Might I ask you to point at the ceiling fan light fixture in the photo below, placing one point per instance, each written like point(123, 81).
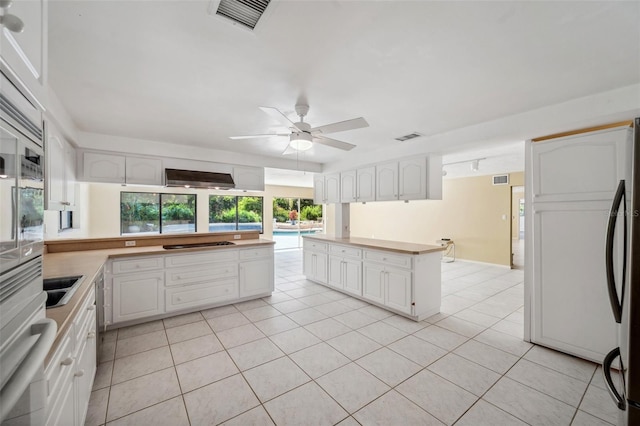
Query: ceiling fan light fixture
point(300, 141)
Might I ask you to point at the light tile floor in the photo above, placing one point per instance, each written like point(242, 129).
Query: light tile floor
point(311, 355)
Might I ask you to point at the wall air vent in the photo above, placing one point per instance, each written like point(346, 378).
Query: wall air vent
point(409, 136)
point(500, 180)
point(243, 12)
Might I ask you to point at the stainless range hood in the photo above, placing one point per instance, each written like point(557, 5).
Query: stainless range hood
point(195, 179)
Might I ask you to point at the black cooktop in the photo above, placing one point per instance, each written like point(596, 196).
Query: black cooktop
point(213, 244)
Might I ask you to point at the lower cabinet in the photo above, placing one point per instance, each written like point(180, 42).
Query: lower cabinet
point(256, 277)
point(345, 274)
point(138, 296)
point(148, 286)
point(72, 368)
point(315, 266)
point(408, 284)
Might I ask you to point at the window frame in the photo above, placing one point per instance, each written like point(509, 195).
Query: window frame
point(160, 220)
point(237, 221)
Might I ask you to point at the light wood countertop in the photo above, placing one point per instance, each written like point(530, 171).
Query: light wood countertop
point(90, 262)
point(393, 246)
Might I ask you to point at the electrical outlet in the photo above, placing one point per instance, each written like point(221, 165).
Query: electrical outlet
point(129, 243)
point(236, 237)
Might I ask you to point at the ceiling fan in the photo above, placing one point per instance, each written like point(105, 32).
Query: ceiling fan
point(303, 136)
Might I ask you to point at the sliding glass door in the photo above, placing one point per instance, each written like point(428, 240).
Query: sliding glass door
point(294, 217)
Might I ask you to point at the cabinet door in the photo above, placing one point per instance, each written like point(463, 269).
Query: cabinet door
point(256, 277)
point(318, 190)
point(387, 181)
point(353, 277)
point(336, 272)
point(373, 283)
point(64, 411)
point(308, 264)
point(84, 374)
point(70, 176)
point(25, 52)
point(332, 188)
point(412, 179)
point(137, 296)
point(321, 267)
point(398, 290)
point(348, 186)
point(366, 184)
point(55, 170)
point(570, 302)
point(582, 167)
point(143, 171)
point(249, 178)
point(103, 168)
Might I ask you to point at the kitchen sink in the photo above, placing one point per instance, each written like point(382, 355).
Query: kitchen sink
point(61, 289)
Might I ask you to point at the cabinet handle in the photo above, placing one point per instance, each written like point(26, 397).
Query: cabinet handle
point(79, 373)
point(91, 308)
point(91, 335)
point(178, 277)
point(67, 361)
point(179, 299)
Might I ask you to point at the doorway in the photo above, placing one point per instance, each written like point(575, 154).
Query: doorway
point(517, 227)
point(293, 218)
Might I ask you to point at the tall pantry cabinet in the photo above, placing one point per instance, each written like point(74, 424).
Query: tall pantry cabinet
point(571, 182)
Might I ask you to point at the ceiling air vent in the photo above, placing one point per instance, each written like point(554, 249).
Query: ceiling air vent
point(501, 180)
point(409, 136)
point(243, 12)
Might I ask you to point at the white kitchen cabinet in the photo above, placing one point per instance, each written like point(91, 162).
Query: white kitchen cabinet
point(388, 286)
point(348, 187)
point(345, 268)
point(60, 161)
point(99, 167)
point(569, 196)
point(256, 277)
point(25, 53)
point(412, 179)
point(326, 189)
point(138, 296)
point(248, 178)
point(72, 368)
point(143, 171)
point(318, 189)
point(315, 261)
point(366, 184)
point(196, 295)
point(387, 181)
point(408, 284)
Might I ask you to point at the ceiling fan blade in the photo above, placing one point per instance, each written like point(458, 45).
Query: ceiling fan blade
point(278, 115)
point(356, 123)
point(333, 143)
point(267, 135)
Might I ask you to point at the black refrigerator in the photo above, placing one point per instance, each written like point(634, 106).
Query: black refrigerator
point(624, 294)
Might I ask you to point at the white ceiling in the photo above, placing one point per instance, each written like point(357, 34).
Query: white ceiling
point(167, 71)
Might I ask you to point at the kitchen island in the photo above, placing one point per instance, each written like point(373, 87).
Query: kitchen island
point(404, 278)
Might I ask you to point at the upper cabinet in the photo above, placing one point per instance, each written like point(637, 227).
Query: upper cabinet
point(366, 184)
point(412, 179)
point(99, 167)
point(24, 54)
point(249, 178)
point(387, 181)
point(60, 171)
point(348, 187)
point(143, 171)
point(408, 179)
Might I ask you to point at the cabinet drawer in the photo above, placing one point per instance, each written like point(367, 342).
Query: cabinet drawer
point(338, 250)
point(315, 245)
point(255, 253)
point(137, 264)
point(85, 318)
point(201, 294)
point(202, 274)
point(387, 258)
point(60, 367)
point(224, 255)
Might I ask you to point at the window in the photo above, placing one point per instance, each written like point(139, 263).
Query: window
point(231, 213)
point(153, 213)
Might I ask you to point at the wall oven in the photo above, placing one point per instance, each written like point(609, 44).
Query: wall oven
point(26, 335)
